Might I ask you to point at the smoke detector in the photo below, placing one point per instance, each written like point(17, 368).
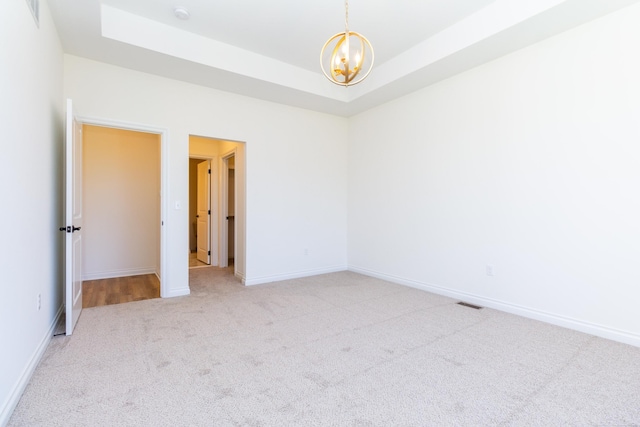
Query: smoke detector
point(181, 13)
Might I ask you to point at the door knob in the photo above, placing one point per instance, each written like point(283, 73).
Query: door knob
point(70, 229)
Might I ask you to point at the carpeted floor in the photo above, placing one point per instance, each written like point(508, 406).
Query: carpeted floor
point(333, 350)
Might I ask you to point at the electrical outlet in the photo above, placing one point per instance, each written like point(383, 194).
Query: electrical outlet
point(39, 301)
point(489, 270)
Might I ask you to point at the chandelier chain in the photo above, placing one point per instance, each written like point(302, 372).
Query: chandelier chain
point(346, 16)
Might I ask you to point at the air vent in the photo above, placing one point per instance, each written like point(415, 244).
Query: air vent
point(34, 7)
point(466, 304)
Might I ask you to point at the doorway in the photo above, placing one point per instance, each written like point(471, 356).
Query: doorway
point(226, 203)
point(122, 189)
point(200, 213)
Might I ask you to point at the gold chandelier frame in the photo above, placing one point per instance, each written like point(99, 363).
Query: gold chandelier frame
point(340, 69)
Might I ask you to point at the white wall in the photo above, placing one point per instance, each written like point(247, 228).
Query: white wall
point(121, 202)
point(530, 164)
point(284, 215)
point(31, 120)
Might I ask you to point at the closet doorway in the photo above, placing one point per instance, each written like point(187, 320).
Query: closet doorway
point(122, 215)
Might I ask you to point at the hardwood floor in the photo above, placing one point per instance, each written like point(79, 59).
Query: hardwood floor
point(194, 262)
point(119, 290)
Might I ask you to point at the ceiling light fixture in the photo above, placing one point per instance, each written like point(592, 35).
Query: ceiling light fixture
point(181, 13)
point(348, 56)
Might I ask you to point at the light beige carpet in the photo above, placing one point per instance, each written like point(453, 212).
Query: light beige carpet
point(333, 350)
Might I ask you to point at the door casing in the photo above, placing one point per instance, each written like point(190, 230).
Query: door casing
point(224, 209)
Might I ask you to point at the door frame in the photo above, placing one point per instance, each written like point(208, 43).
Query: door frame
point(164, 180)
point(213, 203)
point(224, 210)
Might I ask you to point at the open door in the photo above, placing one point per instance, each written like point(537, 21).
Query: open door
point(204, 212)
point(73, 220)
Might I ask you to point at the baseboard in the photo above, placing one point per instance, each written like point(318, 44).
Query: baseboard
point(180, 292)
point(18, 389)
point(241, 276)
point(293, 275)
point(554, 319)
point(119, 273)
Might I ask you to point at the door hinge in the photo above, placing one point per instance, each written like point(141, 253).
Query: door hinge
point(209, 253)
point(209, 171)
point(209, 211)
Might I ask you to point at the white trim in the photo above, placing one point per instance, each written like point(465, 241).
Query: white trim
point(23, 381)
point(293, 275)
point(554, 319)
point(177, 292)
point(223, 250)
point(165, 288)
point(119, 273)
point(240, 276)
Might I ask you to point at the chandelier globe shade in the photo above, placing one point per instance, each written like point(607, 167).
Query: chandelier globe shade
point(346, 58)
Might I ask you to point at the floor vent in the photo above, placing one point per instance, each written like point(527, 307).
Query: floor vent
point(466, 304)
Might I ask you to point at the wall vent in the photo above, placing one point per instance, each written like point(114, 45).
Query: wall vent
point(466, 304)
point(34, 7)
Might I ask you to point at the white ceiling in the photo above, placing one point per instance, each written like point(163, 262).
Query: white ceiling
point(270, 49)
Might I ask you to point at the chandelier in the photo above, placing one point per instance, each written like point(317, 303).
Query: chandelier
point(346, 58)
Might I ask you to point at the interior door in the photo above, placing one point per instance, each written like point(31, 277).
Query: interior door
point(73, 220)
point(204, 212)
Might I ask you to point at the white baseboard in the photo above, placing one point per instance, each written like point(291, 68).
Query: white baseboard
point(180, 292)
point(19, 387)
point(119, 273)
point(554, 319)
point(293, 275)
point(241, 276)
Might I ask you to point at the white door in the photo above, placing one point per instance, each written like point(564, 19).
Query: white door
point(73, 220)
point(204, 212)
